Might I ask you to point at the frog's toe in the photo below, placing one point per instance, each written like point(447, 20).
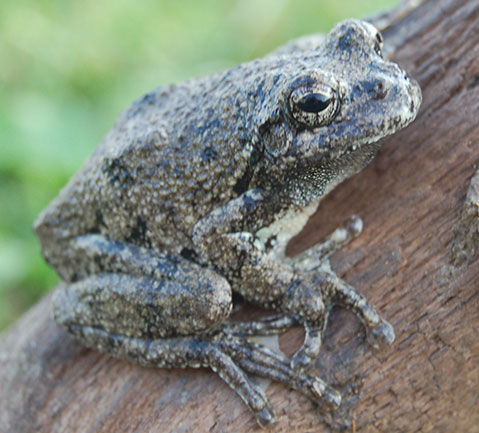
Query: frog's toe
point(301, 361)
point(264, 362)
point(265, 417)
point(309, 351)
point(330, 398)
point(382, 335)
point(269, 325)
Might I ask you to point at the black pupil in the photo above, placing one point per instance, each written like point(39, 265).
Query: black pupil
point(314, 102)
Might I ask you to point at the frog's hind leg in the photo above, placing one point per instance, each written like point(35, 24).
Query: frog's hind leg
point(269, 325)
point(159, 323)
point(142, 306)
point(230, 356)
point(181, 352)
point(120, 315)
point(264, 362)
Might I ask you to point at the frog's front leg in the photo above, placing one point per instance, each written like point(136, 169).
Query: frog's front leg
point(262, 279)
point(337, 291)
point(315, 256)
point(164, 311)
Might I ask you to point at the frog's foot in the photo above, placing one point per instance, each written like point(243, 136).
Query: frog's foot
point(276, 324)
point(313, 257)
point(335, 291)
point(230, 356)
point(234, 376)
point(314, 298)
point(264, 362)
point(180, 352)
point(382, 335)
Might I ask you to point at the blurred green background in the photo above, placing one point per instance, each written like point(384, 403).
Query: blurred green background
point(67, 70)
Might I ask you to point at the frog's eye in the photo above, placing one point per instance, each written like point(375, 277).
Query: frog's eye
point(378, 44)
point(314, 105)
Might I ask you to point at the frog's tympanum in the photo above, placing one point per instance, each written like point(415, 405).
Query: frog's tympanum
point(194, 194)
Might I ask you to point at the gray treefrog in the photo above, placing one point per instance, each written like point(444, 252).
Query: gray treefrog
point(194, 194)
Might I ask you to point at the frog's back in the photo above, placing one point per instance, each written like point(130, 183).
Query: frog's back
point(172, 157)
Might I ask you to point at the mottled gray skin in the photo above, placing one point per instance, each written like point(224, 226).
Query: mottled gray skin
point(194, 194)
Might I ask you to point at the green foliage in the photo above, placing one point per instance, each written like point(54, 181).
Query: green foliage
point(67, 69)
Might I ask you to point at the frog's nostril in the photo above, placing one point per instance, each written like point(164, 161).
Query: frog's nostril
point(380, 90)
point(376, 89)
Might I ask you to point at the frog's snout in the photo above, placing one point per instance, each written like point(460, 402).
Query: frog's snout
point(415, 94)
point(399, 91)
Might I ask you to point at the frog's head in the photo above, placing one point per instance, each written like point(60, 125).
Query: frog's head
point(331, 115)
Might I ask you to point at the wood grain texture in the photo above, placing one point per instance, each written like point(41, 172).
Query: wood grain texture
point(411, 261)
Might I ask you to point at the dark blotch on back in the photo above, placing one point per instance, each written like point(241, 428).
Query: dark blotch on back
point(117, 172)
point(209, 154)
point(138, 233)
point(242, 184)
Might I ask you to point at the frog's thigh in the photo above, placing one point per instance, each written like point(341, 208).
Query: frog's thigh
point(142, 306)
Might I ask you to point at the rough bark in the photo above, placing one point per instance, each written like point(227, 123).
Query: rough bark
point(416, 261)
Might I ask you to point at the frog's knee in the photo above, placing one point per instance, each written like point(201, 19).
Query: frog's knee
point(68, 308)
point(211, 301)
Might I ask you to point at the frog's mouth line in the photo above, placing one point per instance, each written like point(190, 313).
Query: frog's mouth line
point(357, 148)
point(371, 143)
point(364, 152)
point(362, 143)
